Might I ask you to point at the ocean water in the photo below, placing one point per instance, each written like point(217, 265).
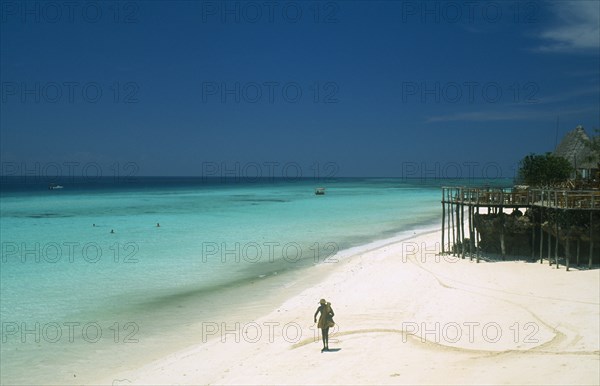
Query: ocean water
point(79, 303)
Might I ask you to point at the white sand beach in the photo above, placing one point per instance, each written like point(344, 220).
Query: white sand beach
point(407, 316)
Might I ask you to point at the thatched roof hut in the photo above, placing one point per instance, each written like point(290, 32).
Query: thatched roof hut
point(575, 148)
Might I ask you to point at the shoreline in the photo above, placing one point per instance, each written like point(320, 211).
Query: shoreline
point(287, 283)
point(404, 315)
point(180, 317)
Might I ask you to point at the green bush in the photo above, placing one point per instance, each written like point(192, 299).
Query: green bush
point(544, 170)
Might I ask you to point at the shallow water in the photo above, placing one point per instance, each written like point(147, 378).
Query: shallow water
point(78, 301)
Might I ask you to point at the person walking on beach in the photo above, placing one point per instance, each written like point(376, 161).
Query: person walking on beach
point(325, 321)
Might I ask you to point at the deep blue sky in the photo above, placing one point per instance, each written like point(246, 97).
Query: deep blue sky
point(379, 85)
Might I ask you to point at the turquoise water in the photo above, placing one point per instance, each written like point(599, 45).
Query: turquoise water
point(73, 294)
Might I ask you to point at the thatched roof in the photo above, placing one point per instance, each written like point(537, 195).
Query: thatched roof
point(573, 148)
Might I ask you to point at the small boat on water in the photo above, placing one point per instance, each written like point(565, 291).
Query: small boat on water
point(55, 186)
point(320, 191)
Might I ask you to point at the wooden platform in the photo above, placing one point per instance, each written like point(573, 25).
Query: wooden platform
point(457, 200)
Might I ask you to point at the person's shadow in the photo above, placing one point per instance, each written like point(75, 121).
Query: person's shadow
point(333, 350)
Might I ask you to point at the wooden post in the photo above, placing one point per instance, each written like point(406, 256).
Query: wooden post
point(502, 243)
point(462, 229)
point(456, 231)
point(477, 241)
point(591, 238)
point(501, 211)
point(532, 235)
point(567, 246)
point(541, 236)
point(471, 228)
point(556, 242)
point(457, 210)
point(453, 231)
point(443, 216)
point(448, 220)
point(458, 228)
point(476, 208)
point(549, 245)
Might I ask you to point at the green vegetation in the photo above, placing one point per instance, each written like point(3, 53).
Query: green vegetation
point(544, 170)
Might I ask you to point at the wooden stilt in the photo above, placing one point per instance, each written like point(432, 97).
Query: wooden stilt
point(578, 249)
point(443, 216)
point(541, 238)
point(532, 236)
point(567, 244)
point(549, 245)
point(502, 243)
point(462, 230)
point(478, 245)
point(501, 211)
point(471, 240)
point(556, 242)
point(457, 215)
point(448, 220)
point(453, 231)
point(591, 240)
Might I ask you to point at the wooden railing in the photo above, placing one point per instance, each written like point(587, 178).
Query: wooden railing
point(511, 197)
point(566, 199)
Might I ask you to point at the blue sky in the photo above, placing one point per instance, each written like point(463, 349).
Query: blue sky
point(348, 88)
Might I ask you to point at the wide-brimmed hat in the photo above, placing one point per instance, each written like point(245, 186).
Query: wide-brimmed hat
point(322, 301)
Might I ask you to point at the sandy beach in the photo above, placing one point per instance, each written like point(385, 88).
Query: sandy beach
point(406, 315)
